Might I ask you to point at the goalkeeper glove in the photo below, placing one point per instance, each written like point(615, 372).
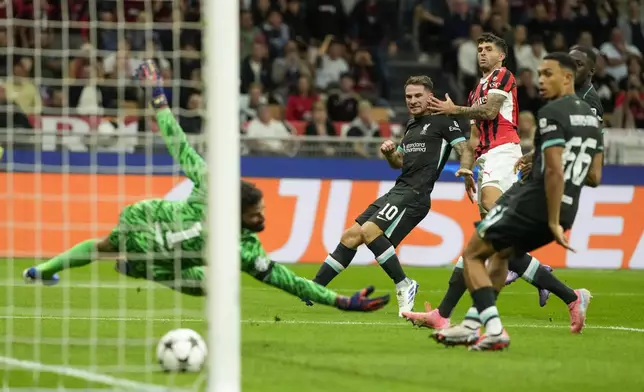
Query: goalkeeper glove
point(361, 302)
point(149, 72)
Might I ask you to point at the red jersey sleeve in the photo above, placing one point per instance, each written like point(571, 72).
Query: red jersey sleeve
point(502, 82)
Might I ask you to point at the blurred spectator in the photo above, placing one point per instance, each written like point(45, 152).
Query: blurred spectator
point(295, 19)
point(534, 58)
point(342, 104)
point(499, 27)
point(85, 74)
point(286, 71)
point(256, 68)
point(250, 103)
point(631, 25)
point(108, 37)
point(629, 106)
point(558, 43)
point(267, 133)
point(364, 126)
point(190, 59)
point(277, 34)
point(457, 31)
point(142, 37)
point(605, 85)
point(617, 52)
point(320, 125)
point(586, 39)
point(604, 19)
point(540, 23)
point(331, 63)
point(11, 117)
point(519, 51)
point(27, 10)
point(568, 24)
point(300, 103)
point(324, 18)
point(21, 90)
point(260, 10)
point(374, 28)
point(367, 77)
point(122, 62)
point(248, 34)
point(57, 99)
point(527, 92)
point(4, 58)
point(527, 127)
point(467, 61)
point(51, 66)
point(634, 66)
point(191, 120)
point(431, 15)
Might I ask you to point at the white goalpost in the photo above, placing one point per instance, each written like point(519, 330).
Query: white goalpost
point(222, 75)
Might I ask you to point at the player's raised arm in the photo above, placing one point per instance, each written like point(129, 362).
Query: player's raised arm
point(594, 176)
point(175, 139)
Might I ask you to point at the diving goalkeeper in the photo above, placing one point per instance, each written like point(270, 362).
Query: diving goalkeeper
point(164, 240)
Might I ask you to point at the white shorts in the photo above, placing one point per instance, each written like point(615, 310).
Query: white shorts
point(496, 168)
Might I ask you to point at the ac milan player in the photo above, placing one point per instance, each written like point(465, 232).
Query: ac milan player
point(493, 114)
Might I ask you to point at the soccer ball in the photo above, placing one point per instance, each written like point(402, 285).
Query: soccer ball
point(181, 350)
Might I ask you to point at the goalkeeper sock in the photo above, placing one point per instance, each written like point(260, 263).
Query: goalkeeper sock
point(334, 263)
point(79, 255)
point(455, 290)
point(386, 257)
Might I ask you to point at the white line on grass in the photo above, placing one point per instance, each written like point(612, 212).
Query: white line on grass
point(146, 285)
point(305, 322)
point(83, 375)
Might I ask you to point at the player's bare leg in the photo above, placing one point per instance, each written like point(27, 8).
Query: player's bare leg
point(79, 255)
point(341, 257)
point(385, 254)
point(483, 294)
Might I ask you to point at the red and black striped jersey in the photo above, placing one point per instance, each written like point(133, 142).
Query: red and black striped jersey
point(503, 128)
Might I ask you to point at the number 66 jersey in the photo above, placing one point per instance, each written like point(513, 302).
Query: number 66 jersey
point(570, 123)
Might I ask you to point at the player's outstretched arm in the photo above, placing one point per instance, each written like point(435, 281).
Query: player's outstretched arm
point(175, 139)
point(256, 263)
point(487, 111)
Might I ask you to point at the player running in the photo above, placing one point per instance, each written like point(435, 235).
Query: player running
point(422, 154)
point(585, 59)
point(568, 155)
point(164, 240)
point(493, 112)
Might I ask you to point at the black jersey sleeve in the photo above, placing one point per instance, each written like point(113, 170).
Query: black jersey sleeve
point(451, 131)
point(550, 129)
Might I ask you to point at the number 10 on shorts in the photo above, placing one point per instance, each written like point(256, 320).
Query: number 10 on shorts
point(388, 212)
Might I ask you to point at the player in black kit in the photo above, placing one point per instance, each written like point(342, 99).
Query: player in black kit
point(568, 155)
point(422, 154)
point(584, 58)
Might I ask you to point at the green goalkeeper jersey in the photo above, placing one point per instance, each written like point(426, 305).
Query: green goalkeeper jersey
point(179, 224)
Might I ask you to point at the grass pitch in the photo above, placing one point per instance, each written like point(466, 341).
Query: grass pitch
point(98, 330)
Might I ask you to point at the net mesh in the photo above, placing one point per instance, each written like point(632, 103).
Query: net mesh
point(79, 146)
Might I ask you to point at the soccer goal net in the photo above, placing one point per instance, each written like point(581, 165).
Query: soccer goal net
point(79, 144)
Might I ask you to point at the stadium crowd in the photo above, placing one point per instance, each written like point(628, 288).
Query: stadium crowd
point(306, 66)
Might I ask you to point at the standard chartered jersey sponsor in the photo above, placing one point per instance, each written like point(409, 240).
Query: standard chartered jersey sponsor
point(415, 147)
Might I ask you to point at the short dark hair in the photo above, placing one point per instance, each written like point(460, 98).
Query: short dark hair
point(250, 195)
point(589, 52)
point(420, 80)
point(564, 60)
point(493, 39)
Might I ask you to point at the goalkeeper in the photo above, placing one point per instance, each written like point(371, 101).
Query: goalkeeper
point(164, 240)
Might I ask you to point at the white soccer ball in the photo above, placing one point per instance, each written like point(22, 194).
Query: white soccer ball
point(181, 350)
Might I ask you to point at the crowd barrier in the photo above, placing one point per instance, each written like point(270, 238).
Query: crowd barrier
point(309, 202)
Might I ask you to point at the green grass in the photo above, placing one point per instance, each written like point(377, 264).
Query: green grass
point(112, 327)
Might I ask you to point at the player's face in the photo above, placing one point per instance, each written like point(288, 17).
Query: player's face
point(489, 56)
point(551, 79)
point(253, 217)
point(583, 72)
point(417, 99)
